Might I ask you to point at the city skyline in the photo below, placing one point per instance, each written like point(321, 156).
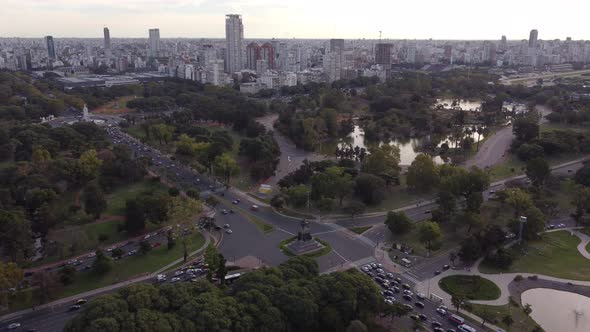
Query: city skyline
point(302, 20)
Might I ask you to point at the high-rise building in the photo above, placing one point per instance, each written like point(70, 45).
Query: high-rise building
point(267, 52)
point(154, 43)
point(533, 38)
point(283, 57)
point(503, 44)
point(383, 54)
point(336, 44)
point(50, 47)
point(252, 55)
point(234, 34)
point(107, 41)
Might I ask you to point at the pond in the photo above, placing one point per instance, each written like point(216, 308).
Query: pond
point(475, 105)
point(409, 148)
point(557, 311)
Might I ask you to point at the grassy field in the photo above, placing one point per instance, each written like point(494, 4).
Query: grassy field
point(512, 166)
point(449, 240)
point(555, 254)
point(118, 106)
point(521, 322)
point(360, 230)
point(471, 287)
point(116, 200)
point(131, 266)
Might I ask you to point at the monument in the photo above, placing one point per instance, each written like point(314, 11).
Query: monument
point(304, 243)
point(85, 116)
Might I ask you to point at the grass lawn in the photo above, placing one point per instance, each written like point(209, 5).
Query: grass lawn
point(116, 200)
point(398, 196)
point(521, 322)
point(512, 166)
point(555, 254)
point(472, 287)
point(360, 230)
point(450, 238)
point(131, 266)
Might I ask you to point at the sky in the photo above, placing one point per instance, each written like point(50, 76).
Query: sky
point(349, 19)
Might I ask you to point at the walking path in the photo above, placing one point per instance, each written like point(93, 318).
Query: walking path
point(502, 280)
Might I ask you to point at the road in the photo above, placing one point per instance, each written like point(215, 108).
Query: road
point(291, 156)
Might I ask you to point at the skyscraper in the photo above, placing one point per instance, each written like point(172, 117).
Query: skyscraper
point(252, 55)
point(267, 52)
point(107, 41)
point(533, 38)
point(50, 47)
point(383, 54)
point(154, 43)
point(234, 34)
point(336, 44)
point(503, 44)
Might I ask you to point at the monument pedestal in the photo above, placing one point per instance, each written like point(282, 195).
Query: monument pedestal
point(299, 247)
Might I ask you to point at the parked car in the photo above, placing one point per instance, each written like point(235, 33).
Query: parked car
point(419, 305)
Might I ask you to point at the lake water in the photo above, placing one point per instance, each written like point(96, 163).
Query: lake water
point(408, 149)
point(558, 311)
point(475, 105)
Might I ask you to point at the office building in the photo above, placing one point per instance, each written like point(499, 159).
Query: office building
point(336, 44)
point(107, 42)
point(503, 44)
point(252, 55)
point(50, 47)
point(533, 39)
point(154, 43)
point(383, 54)
point(234, 34)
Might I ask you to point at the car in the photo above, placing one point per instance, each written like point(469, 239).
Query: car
point(436, 324)
point(408, 292)
point(228, 231)
point(450, 330)
point(437, 272)
point(368, 266)
point(446, 267)
point(236, 201)
point(132, 252)
point(364, 268)
point(443, 307)
point(409, 307)
point(380, 271)
point(398, 280)
point(91, 255)
point(226, 226)
point(407, 297)
point(551, 226)
point(13, 326)
point(179, 273)
point(561, 225)
point(224, 211)
point(423, 317)
point(81, 301)
point(147, 237)
point(438, 329)
point(374, 265)
point(175, 279)
point(74, 307)
point(415, 317)
point(379, 265)
point(254, 207)
point(419, 305)
point(441, 311)
point(427, 212)
point(388, 301)
point(387, 293)
point(420, 296)
point(395, 289)
point(406, 286)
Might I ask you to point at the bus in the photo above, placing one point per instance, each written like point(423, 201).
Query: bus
point(466, 328)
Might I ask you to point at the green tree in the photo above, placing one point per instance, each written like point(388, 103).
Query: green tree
point(526, 129)
point(94, 200)
point(471, 220)
point(89, 165)
point(162, 132)
point(144, 247)
point(134, 217)
point(117, 253)
point(10, 276)
point(508, 321)
point(370, 188)
point(457, 301)
point(471, 250)
point(225, 166)
point(102, 263)
point(538, 171)
point(581, 202)
point(212, 260)
point(297, 195)
point(519, 200)
point(422, 174)
point(67, 275)
point(429, 233)
point(398, 222)
point(446, 202)
point(355, 208)
point(383, 161)
point(15, 235)
point(535, 223)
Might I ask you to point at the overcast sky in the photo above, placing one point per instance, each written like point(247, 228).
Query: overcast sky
point(437, 19)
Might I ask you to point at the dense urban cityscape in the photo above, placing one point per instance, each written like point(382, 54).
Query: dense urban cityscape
point(285, 184)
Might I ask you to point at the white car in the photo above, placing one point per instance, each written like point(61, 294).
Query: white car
point(175, 279)
point(178, 273)
point(441, 311)
point(228, 231)
point(13, 326)
point(420, 296)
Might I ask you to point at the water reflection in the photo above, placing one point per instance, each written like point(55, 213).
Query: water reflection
point(557, 311)
point(475, 105)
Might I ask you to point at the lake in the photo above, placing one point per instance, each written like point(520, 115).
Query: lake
point(558, 311)
point(475, 105)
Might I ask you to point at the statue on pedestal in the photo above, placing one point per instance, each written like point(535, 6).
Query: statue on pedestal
point(305, 233)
